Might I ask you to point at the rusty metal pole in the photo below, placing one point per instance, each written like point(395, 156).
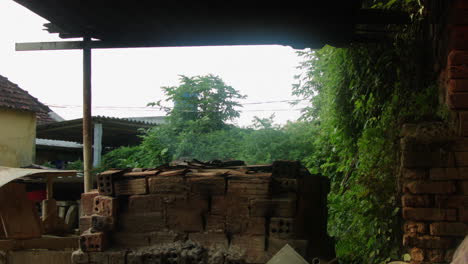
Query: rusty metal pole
point(87, 119)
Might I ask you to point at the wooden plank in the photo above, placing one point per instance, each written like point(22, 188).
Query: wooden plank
point(18, 215)
point(74, 45)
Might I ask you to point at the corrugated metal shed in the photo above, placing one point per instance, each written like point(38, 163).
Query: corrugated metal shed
point(116, 131)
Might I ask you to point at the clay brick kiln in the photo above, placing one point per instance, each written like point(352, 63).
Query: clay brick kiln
point(204, 213)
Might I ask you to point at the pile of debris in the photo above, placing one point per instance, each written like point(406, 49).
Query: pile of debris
point(195, 212)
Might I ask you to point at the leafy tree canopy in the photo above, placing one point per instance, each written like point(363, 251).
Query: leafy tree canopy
point(206, 103)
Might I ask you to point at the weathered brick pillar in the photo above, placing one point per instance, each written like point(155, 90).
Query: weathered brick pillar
point(435, 155)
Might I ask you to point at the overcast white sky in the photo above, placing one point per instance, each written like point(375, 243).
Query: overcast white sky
point(126, 79)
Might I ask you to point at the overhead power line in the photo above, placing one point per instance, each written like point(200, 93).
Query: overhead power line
point(147, 107)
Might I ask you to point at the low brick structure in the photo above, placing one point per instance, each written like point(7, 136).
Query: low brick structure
point(204, 213)
point(434, 199)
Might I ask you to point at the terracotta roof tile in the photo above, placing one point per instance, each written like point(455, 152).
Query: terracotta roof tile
point(13, 97)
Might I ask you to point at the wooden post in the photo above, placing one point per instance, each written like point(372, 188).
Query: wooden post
point(87, 119)
point(46, 204)
point(97, 145)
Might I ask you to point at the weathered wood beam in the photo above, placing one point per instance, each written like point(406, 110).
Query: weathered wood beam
point(97, 44)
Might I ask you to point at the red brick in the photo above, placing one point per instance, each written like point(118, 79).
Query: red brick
point(87, 202)
point(284, 185)
point(416, 174)
point(417, 254)
point(252, 187)
point(215, 223)
point(427, 159)
point(460, 144)
point(457, 86)
point(457, 57)
point(94, 242)
point(461, 159)
point(105, 181)
point(421, 187)
point(463, 127)
point(105, 206)
point(210, 239)
point(140, 223)
point(415, 227)
point(85, 223)
point(130, 239)
point(255, 226)
point(435, 255)
point(449, 173)
point(449, 229)
point(457, 100)
point(458, 38)
point(207, 185)
point(145, 203)
point(408, 200)
point(102, 223)
point(458, 72)
point(98, 257)
point(186, 214)
point(463, 215)
point(429, 214)
point(235, 225)
point(463, 187)
point(460, 4)
point(166, 236)
point(451, 201)
point(273, 207)
point(174, 185)
point(255, 250)
point(117, 257)
point(130, 187)
point(463, 174)
point(230, 205)
point(427, 241)
point(286, 169)
point(281, 227)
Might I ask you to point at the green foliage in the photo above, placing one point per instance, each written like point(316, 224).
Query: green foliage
point(74, 165)
point(150, 153)
point(360, 96)
point(204, 103)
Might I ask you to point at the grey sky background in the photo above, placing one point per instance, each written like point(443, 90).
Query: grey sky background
point(125, 80)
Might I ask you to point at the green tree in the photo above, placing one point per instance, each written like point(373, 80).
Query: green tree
point(202, 103)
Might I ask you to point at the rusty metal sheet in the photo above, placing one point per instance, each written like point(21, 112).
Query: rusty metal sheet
point(8, 174)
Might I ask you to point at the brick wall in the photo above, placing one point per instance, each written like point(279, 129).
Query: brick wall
point(186, 214)
point(434, 156)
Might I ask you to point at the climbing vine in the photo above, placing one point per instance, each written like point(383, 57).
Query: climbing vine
point(359, 98)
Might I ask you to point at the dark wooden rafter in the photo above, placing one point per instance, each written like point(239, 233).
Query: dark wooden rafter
point(188, 23)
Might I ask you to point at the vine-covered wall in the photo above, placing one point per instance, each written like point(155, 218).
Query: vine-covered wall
point(434, 156)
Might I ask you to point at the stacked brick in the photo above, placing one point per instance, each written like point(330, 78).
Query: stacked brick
point(234, 214)
point(434, 200)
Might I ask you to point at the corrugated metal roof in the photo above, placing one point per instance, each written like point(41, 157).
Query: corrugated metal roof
point(116, 131)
